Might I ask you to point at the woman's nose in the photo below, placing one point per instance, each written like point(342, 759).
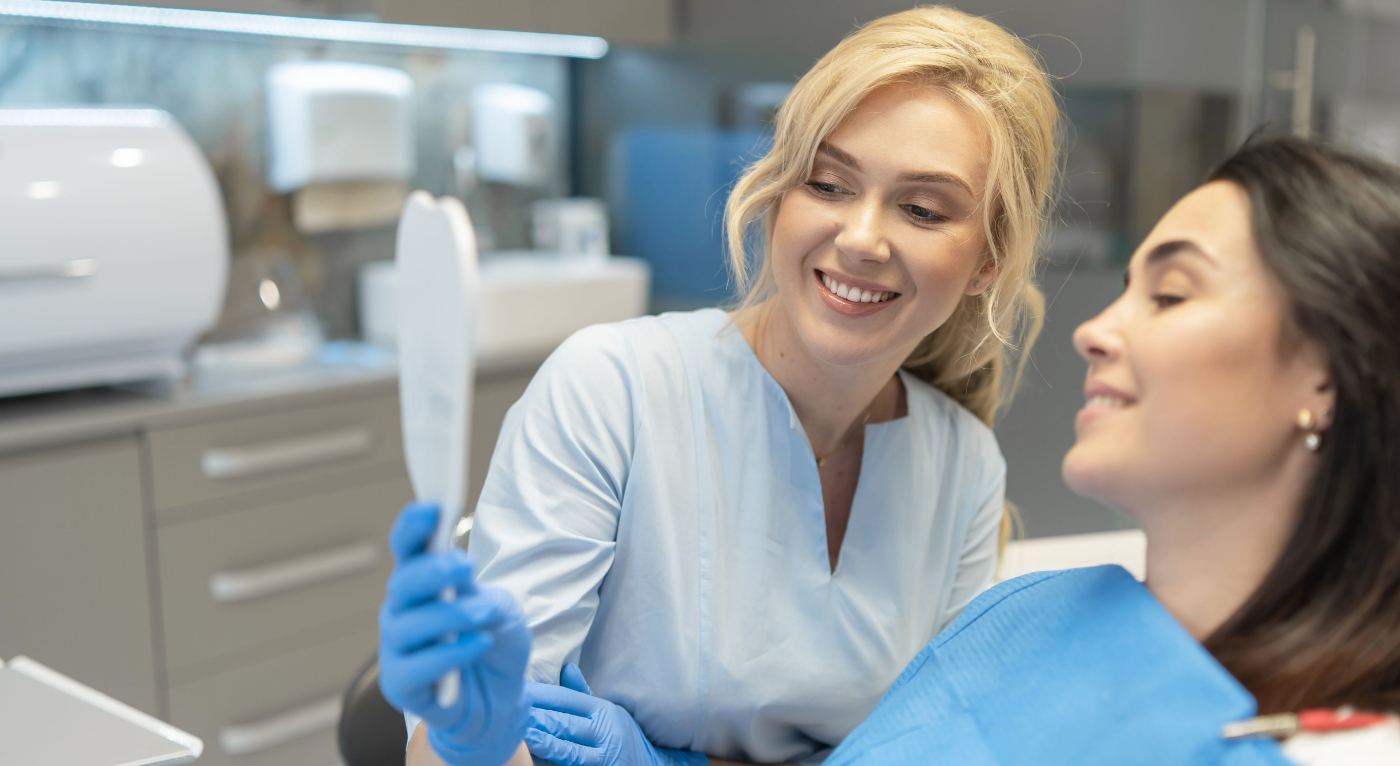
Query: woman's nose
point(1098, 340)
point(862, 236)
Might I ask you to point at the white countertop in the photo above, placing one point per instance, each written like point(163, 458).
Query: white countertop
point(344, 370)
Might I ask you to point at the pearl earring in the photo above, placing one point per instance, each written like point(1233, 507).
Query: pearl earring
point(1306, 421)
point(977, 283)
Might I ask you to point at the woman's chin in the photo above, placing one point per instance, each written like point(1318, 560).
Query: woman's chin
point(844, 348)
point(1086, 474)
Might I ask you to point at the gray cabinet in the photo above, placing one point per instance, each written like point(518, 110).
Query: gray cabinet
point(277, 710)
point(235, 584)
point(270, 539)
point(74, 587)
point(274, 450)
point(221, 564)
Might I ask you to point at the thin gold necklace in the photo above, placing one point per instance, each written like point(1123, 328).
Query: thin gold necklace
point(821, 461)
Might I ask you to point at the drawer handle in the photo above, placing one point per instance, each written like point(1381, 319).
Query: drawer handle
point(242, 462)
point(77, 269)
point(257, 736)
point(244, 584)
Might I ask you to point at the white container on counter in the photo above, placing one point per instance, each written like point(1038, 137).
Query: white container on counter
point(530, 301)
point(571, 226)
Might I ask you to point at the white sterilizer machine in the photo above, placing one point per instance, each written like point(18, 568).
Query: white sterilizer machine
point(113, 247)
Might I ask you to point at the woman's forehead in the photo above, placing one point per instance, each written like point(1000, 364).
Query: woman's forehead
point(914, 129)
point(1214, 219)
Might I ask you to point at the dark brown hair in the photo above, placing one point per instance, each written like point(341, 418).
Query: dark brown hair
point(1323, 629)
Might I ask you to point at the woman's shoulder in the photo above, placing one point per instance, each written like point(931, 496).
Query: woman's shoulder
point(605, 374)
point(622, 360)
point(950, 423)
point(633, 340)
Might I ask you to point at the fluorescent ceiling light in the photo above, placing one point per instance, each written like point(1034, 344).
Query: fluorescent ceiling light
point(336, 30)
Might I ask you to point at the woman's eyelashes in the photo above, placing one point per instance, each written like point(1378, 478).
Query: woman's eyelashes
point(1169, 289)
point(923, 214)
point(919, 213)
point(827, 189)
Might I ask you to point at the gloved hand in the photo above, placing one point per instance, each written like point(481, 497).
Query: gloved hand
point(485, 639)
point(571, 727)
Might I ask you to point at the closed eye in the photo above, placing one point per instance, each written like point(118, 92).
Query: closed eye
point(822, 187)
point(924, 214)
point(1166, 300)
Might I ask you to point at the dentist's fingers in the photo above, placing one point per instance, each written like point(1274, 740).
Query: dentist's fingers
point(423, 578)
point(426, 667)
point(566, 726)
point(572, 678)
point(560, 752)
point(557, 698)
point(432, 622)
point(412, 530)
point(502, 609)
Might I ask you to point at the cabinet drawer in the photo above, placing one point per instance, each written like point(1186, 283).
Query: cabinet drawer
point(203, 462)
point(74, 588)
point(279, 711)
point(231, 582)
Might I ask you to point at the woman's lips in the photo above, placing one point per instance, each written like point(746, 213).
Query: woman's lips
point(1101, 404)
point(858, 302)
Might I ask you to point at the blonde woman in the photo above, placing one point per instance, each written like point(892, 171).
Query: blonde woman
point(740, 527)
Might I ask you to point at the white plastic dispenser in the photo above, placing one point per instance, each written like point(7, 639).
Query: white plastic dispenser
point(513, 134)
point(341, 140)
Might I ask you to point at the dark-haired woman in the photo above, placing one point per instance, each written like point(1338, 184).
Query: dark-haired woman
point(1243, 405)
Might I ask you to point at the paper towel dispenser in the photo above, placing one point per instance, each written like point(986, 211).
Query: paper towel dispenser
point(113, 247)
point(513, 134)
point(340, 139)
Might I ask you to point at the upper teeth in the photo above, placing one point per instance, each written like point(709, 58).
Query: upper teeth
point(855, 294)
point(1103, 400)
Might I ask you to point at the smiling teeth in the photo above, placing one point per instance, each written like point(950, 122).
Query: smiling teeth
point(1111, 402)
point(856, 295)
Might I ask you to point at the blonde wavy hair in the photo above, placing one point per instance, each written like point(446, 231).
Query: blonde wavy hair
point(994, 75)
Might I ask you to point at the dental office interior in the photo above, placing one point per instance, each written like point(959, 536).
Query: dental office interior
point(201, 441)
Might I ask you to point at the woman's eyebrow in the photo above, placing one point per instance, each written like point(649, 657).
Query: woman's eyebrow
point(1165, 251)
point(936, 178)
point(838, 155)
point(1172, 248)
point(905, 177)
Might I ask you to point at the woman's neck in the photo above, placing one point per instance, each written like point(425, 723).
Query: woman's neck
point(1208, 553)
point(829, 399)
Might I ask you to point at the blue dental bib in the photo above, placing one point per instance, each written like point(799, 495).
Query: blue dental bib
point(1081, 667)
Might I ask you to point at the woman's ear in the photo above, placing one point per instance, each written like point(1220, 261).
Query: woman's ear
point(982, 278)
point(1320, 394)
point(1327, 407)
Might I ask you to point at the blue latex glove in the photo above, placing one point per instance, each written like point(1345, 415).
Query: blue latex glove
point(417, 646)
point(571, 727)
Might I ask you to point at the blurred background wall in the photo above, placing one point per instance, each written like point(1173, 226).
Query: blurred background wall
point(1155, 91)
point(214, 87)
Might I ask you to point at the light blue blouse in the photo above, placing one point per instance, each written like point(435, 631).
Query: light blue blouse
point(654, 506)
